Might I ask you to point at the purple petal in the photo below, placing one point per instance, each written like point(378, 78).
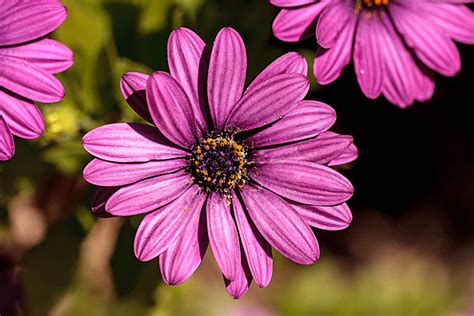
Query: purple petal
point(303, 181)
point(306, 120)
point(29, 80)
point(223, 235)
point(107, 174)
point(162, 228)
point(322, 149)
point(431, 43)
point(182, 258)
point(185, 52)
point(349, 155)
point(227, 71)
point(295, 24)
point(21, 115)
point(171, 110)
point(133, 87)
point(329, 63)
point(286, 64)
point(27, 20)
point(99, 200)
point(456, 20)
point(291, 3)
point(368, 62)
point(268, 101)
point(129, 142)
point(148, 195)
point(281, 225)
point(332, 21)
point(7, 146)
point(238, 287)
point(325, 217)
point(257, 249)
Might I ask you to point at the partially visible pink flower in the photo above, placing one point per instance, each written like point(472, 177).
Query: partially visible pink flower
point(395, 44)
point(240, 169)
point(27, 64)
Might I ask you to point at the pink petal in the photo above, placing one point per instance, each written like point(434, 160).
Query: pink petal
point(349, 155)
point(162, 228)
point(23, 21)
point(325, 217)
point(431, 44)
point(133, 87)
point(148, 195)
point(182, 258)
point(329, 63)
point(306, 120)
point(185, 52)
point(238, 287)
point(129, 142)
point(322, 149)
point(291, 3)
point(257, 249)
point(303, 181)
point(29, 81)
point(223, 235)
point(7, 146)
point(455, 20)
point(332, 21)
point(227, 71)
point(22, 116)
point(268, 101)
point(107, 174)
point(295, 24)
point(280, 225)
point(368, 61)
point(171, 110)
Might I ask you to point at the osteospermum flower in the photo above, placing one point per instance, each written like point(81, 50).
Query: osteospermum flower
point(395, 44)
point(27, 64)
point(243, 170)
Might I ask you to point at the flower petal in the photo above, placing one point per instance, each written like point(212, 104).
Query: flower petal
point(27, 20)
point(29, 80)
point(456, 20)
point(186, 63)
point(47, 54)
point(182, 258)
point(129, 142)
point(306, 120)
point(322, 149)
point(329, 63)
point(268, 101)
point(325, 217)
point(257, 249)
point(21, 115)
point(280, 225)
point(291, 3)
point(303, 181)
point(349, 155)
point(107, 174)
point(223, 236)
point(162, 228)
point(133, 87)
point(227, 71)
point(332, 21)
point(238, 287)
point(295, 24)
point(171, 110)
point(148, 195)
point(7, 146)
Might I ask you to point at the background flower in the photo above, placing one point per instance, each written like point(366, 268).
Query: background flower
point(27, 64)
point(395, 45)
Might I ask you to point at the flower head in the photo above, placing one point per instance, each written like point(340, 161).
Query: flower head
point(396, 45)
point(27, 64)
point(241, 170)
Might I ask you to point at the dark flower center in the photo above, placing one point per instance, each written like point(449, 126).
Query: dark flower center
point(219, 163)
point(370, 4)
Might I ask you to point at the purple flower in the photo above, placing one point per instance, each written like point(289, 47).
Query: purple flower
point(243, 170)
point(396, 44)
point(27, 64)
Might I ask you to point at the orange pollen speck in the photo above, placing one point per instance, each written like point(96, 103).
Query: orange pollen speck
point(361, 5)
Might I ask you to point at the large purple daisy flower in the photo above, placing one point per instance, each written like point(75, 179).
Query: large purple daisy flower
point(243, 170)
point(27, 64)
point(395, 44)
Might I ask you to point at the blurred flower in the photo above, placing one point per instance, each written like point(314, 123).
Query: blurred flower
point(245, 171)
point(396, 45)
point(27, 64)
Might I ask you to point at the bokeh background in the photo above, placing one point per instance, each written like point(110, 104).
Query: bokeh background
point(409, 250)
